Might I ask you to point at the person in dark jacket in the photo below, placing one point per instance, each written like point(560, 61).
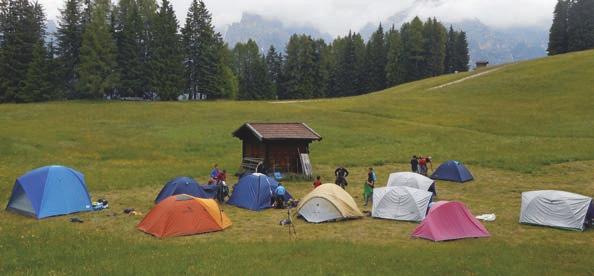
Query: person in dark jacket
point(414, 164)
point(341, 174)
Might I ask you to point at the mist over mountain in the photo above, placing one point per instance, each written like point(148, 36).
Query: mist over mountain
point(267, 32)
point(495, 44)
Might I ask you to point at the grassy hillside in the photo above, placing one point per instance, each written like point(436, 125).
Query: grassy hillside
point(521, 127)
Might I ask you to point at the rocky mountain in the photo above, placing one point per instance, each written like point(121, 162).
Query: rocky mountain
point(267, 32)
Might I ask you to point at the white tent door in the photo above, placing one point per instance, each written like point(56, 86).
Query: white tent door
point(319, 210)
point(396, 206)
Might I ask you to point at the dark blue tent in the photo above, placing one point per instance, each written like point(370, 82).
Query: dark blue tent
point(181, 185)
point(452, 171)
point(254, 192)
point(50, 191)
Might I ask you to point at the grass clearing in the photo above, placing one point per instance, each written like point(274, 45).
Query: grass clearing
point(526, 126)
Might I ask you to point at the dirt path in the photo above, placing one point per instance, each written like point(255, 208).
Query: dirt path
point(465, 79)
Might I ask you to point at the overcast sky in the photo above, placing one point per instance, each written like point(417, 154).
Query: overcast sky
point(338, 16)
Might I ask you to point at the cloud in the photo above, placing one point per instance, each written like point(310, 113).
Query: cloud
point(339, 16)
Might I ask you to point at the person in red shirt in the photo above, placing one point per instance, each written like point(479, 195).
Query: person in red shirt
point(423, 165)
point(317, 183)
point(222, 176)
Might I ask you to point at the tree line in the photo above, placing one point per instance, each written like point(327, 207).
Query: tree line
point(573, 27)
point(137, 48)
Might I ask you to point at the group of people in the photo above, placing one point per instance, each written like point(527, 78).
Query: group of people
point(421, 164)
point(341, 174)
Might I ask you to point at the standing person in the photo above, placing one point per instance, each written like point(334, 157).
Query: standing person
point(341, 174)
point(414, 164)
point(423, 165)
point(369, 185)
point(213, 174)
point(429, 164)
point(222, 189)
point(317, 183)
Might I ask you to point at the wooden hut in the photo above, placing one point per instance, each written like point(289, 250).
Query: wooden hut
point(482, 64)
point(279, 147)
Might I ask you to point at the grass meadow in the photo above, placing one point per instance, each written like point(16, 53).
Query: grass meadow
point(526, 126)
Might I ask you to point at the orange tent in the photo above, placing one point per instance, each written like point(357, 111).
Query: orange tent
point(182, 215)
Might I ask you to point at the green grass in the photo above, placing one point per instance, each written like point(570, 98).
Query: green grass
point(526, 126)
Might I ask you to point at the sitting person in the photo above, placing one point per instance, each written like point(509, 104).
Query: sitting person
point(279, 196)
point(213, 174)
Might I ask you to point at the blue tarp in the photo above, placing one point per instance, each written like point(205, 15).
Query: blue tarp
point(50, 191)
point(254, 192)
point(182, 185)
point(452, 171)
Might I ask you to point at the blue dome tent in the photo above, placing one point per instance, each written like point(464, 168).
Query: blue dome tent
point(254, 192)
point(50, 191)
point(452, 171)
point(182, 185)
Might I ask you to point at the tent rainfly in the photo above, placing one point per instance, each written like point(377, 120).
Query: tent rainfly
point(450, 220)
point(183, 215)
point(50, 191)
point(557, 209)
point(413, 180)
point(328, 202)
point(400, 203)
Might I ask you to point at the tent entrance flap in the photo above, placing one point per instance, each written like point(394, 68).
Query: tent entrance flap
point(319, 209)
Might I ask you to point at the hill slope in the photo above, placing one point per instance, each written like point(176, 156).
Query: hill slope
point(522, 127)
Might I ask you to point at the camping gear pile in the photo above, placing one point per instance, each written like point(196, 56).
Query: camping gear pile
point(184, 207)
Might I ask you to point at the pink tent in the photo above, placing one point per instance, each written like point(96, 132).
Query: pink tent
point(449, 220)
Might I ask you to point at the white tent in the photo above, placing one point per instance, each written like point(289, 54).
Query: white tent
point(400, 203)
point(413, 180)
point(328, 202)
point(555, 209)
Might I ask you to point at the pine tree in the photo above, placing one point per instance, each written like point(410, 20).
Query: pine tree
point(344, 72)
point(376, 59)
point(412, 56)
point(23, 29)
point(128, 28)
point(274, 64)
point(462, 58)
point(322, 69)
point(393, 66)
point(167, 62)
point(201, 46)
point(303, 75)
point(229, 81)
point(450, 54)
point(36, 85)
point(98, 68)
point(558, 36)
point(435, 37)
point(69, 35)
point(580, 25)
point(250, 68)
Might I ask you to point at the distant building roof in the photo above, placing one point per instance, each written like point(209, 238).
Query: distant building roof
point(279, 131)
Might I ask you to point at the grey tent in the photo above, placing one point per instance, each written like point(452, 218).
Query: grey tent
point(413, 180)
point(400, 203)
point(556, 209)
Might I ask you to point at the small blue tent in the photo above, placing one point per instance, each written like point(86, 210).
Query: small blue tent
point(254, 192)
point(452, 171)
point(50, 191)
point(181, 185)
